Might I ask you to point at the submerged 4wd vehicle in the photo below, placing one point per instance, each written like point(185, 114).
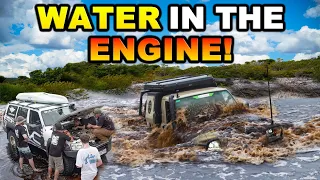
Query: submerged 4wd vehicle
point(165, 97)
point(42, 111)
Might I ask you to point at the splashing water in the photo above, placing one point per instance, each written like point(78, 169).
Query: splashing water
point(242, 138)
point(136, 144)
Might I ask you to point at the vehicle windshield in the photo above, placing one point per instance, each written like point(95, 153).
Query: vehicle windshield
point(51, 116)
point(218, 97)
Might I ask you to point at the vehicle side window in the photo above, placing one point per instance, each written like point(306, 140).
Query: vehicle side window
point(23, 112)
point(219, 98)
point(12, 111)
point(227, 97)
point(34, 118)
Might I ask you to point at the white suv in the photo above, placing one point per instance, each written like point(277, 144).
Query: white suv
point(42, 111)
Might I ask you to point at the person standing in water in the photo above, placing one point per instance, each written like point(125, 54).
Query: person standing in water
point(58, 141)
point(23, 147)
point(88, 159)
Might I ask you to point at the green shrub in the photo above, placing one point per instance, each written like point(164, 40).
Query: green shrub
point(118, 77)
point(58, 87)
point(316, 74)
point(2, 78)
point(9, 92)
point(120, 82)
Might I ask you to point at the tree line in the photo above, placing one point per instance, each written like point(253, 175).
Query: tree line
point(100, 77)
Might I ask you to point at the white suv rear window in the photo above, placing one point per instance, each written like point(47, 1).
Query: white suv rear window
point(12, 111)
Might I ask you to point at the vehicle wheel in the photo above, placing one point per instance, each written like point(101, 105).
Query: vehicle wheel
point(69, 165)
point(13, 145)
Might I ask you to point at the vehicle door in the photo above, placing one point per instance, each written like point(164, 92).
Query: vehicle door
point(35, 129)
point(150, 114)
point(23, 112)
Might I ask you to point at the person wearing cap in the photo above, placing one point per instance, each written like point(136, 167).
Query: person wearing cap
point(78, 124)
point(104, 128)
point(58, 141)
point(82, 123)
point(23, 147)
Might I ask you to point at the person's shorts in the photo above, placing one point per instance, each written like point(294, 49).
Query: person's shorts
point(90, 176)
point(25, 152)
point(56, 163)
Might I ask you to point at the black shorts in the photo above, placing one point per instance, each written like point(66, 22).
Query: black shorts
point(25, 152)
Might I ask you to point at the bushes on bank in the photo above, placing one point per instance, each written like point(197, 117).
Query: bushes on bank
point(101, 77)
point(58, 87)
point(9, 92)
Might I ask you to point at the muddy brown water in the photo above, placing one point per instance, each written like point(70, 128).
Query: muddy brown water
point(305, 165)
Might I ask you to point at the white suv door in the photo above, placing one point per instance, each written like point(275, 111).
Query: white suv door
point(150, 113)
point(35, 128)
point(24, 113)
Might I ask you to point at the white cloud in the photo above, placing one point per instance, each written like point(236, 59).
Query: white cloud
point(245, 43)
point(59, 58)
point(313, 12)
point(189, 65)
point(57, 40)
point(22, 14)
point(20, 64)
point(136, 34)
point(302, 56)
point(184, 65)
point(241, 59)
point(15, 48)
point(14, 65)
point(238, 59)
point(204, 1)
point(305, 40)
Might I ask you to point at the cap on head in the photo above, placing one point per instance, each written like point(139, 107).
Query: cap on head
point(97, 111)
point(20, 119)
point(58, 126)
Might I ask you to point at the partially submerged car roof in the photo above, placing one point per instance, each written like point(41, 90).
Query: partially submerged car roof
point(80, 112)
point(180, 84)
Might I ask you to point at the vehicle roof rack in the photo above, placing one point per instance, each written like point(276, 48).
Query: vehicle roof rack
point(183, 83)
point(30, 103)
point(172, 79)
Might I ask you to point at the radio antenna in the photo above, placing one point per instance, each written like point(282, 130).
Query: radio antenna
point(271, 114)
